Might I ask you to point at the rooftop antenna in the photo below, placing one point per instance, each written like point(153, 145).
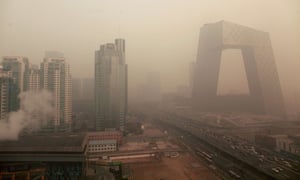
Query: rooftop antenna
point(120, 14)
point(119, 25)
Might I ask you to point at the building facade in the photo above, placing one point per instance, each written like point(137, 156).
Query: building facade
point(55, 76)
point(18, 65)
point(104, 141)
point(95, 146)
point(110, 86)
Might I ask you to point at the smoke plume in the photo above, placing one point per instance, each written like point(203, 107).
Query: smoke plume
point(36, 108)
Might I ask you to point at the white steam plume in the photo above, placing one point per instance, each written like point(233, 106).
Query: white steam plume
point(36, 108)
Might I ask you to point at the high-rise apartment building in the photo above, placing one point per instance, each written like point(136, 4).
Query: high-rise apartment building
point(8, 93)
point(18, 66)
point(55, 76)
point(25, 74)
point(110, 86)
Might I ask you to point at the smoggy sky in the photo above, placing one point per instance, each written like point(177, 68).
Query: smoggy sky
point(161, 35)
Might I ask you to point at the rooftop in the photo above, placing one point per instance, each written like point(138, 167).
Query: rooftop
point(62, 142)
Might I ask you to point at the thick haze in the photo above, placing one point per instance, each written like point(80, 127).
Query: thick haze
point(160, 35)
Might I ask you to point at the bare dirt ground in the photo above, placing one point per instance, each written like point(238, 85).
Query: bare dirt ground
point(183, 167)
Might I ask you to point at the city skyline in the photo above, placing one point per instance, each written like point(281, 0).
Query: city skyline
point(154, 42)
point(145, 25)
point(142, 89)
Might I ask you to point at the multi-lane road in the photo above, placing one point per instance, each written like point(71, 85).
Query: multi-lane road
point(230, 156)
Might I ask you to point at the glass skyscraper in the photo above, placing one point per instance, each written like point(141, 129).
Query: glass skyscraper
point(110, 86)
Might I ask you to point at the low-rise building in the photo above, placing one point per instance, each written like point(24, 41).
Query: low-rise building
point(95, 146)
point(55, 156)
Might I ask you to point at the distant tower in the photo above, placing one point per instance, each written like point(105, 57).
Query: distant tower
point(192, 67)
point(33, 79)
point(83, 89)
point(54, 54)
point(77, 89)
point(151, 87)
point(110, 86)
point(8, 93)
point(55, 76)
point(263, 81)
